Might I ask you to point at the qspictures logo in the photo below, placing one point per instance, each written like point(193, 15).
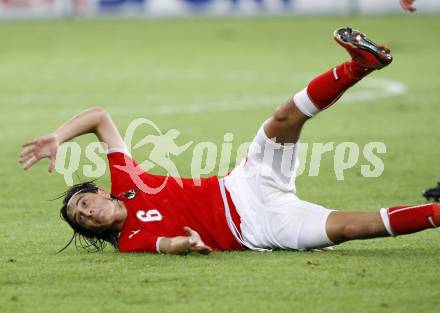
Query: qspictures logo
point(162, 148)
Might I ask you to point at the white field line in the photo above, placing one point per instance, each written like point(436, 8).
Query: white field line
point(375, 88)
point(230, 75)
point(368, 90)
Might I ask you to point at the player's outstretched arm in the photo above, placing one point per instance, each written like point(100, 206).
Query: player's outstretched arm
point(95, 120)
point(408, 5)
point(184, 244)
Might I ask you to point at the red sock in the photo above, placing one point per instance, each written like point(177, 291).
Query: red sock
point(328, 87)
point(402, 220)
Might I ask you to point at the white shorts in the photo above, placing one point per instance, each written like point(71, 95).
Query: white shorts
point(262, 188)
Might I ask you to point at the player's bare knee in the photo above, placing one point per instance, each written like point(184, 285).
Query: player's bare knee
point(98, 109)
point(287, 113)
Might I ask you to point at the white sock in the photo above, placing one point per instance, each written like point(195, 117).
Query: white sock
point(305, 104)
point(386, 221)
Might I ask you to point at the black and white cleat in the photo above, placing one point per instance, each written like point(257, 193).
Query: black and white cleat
point(433, 193)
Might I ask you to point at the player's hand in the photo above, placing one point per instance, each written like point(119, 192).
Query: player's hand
point(197, 245)
point(408, 5)
point(36, 149)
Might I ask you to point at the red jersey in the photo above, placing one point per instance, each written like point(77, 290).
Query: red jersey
point(151, 216)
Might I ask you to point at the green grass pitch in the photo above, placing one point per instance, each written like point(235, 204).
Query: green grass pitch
point(206, 78)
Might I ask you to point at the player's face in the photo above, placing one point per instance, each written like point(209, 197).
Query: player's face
point(93, 211)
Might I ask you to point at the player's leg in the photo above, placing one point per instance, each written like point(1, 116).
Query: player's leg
point(286, 124)
point(400, 220)
point(344, 226)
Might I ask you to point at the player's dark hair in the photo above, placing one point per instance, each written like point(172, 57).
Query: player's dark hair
point(87, 239)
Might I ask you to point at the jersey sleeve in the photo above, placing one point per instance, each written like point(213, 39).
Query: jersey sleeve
point(139, 241)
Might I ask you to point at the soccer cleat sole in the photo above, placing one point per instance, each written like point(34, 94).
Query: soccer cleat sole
point(352, 39)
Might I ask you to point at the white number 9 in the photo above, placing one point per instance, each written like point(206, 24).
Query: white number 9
point(149, 216)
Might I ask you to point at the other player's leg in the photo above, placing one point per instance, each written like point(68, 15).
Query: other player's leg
point(433, 193)
point(324, 90)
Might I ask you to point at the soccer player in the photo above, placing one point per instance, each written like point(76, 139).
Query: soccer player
point(254, 207)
